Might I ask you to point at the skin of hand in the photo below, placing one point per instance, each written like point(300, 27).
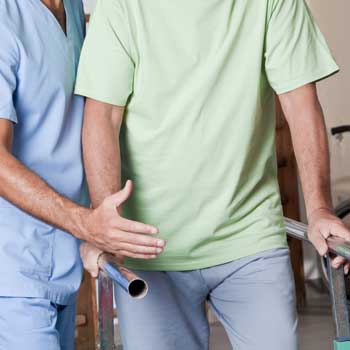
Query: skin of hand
point(103, 226)
point(89, 255)
point(305, 118)
point(110, 232)
point(323, 224)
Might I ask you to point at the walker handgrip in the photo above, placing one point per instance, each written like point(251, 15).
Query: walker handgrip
point(336, 245)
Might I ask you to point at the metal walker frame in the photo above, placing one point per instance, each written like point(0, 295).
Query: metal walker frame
point(294, 229)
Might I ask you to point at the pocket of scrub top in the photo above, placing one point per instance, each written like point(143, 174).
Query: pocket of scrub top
point(26, 243)
point(27, 315)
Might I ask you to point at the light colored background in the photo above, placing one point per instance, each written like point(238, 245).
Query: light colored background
point(334, 20)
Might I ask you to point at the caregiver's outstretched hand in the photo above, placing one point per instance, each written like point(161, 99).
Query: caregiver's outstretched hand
point(107, 230)
point(103, 227)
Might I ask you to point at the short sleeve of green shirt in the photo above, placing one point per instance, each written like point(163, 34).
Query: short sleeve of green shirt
point(106, 68)
point(296, 51)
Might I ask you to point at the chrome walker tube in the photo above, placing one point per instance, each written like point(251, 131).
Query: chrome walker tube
point(112, 272)
point(298, 230)
point(135, 286)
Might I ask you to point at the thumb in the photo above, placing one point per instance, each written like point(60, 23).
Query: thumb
point(121, 196)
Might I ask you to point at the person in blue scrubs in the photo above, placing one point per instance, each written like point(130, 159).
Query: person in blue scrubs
point(44, 206)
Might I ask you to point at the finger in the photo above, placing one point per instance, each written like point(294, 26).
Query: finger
point(346, 268)
point(94, 272)
point(140, 249)
point(341, 231)
point(135, 227)
point(140, 239)
point(121, 196)
point(338, 261)
point(325, 231)
point(319, 243)
point(136, 256)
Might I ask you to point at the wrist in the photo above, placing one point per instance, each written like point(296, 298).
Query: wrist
point(80, 223)
point(316, 211)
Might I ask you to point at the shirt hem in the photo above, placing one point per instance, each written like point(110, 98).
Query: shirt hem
point(306, 79)
point(121, 102)
point(225, 257)
point(9, 116)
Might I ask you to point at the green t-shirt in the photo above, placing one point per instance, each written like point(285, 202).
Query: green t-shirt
point(198, 139)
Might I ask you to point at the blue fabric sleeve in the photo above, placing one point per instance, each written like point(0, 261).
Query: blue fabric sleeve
point(9, 59)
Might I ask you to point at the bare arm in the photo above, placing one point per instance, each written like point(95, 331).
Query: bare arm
point(101, 129)
point(305, 118)
point(29, 192)
point(101, 150)
point(102, 226)
point(306, 122)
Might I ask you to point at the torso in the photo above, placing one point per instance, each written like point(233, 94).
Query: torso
point(47, 141)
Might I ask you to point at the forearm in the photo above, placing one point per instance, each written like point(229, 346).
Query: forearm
point(102, 165)
point(306, 122)
point(28, 191)
point(101, 150)
point(102, 226)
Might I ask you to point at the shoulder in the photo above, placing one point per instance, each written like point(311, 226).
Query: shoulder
point(112, 6)
point(76, 6)
point(77, 10)
point(10, 15)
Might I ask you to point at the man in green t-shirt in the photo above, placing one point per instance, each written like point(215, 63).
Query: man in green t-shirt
point(180, 99)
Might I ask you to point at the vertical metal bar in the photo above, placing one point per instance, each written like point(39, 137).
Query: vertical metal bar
point(105, 313)
point(339, 307)
point(336, 281)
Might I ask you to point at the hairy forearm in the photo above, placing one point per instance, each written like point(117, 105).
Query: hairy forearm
point(28, 191)
point(102, 226)
point(101, 149)
point(305, 118)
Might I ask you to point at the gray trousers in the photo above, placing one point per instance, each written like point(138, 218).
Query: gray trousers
point(253, 298)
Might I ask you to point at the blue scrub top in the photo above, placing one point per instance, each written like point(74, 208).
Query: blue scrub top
point(38, 65)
